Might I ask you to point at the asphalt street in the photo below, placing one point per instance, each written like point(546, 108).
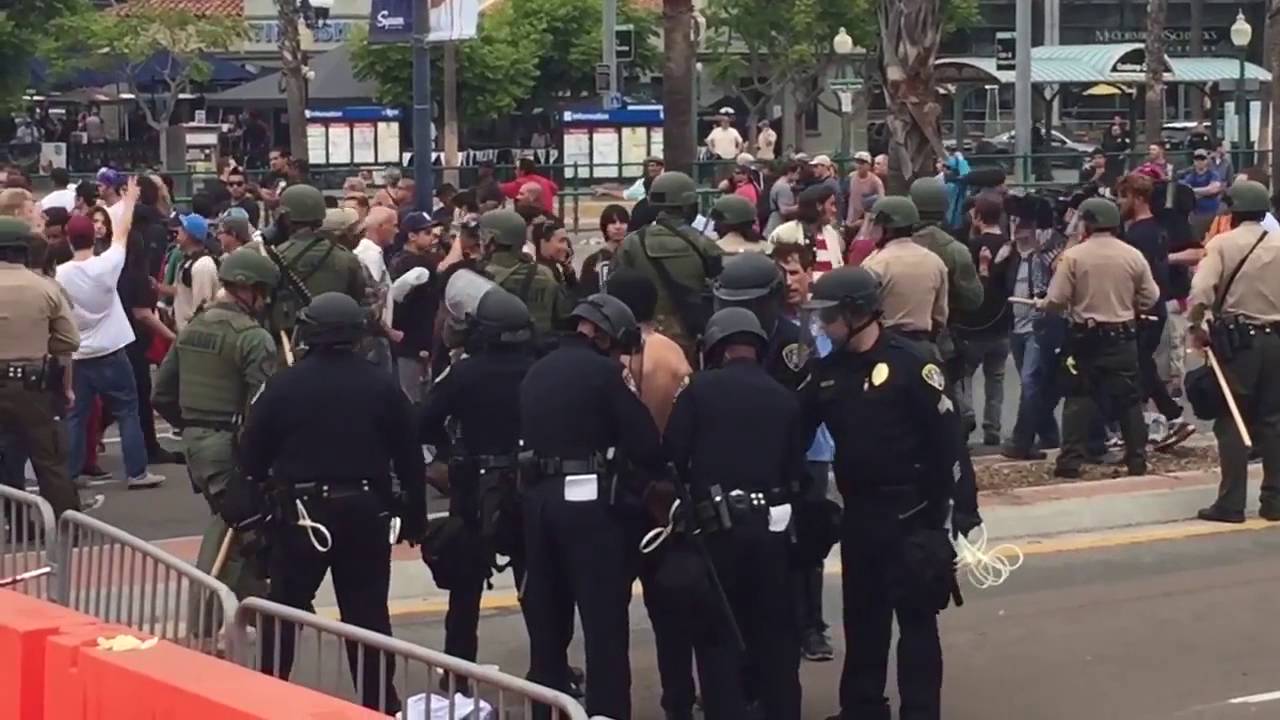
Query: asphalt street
point(1180, 630)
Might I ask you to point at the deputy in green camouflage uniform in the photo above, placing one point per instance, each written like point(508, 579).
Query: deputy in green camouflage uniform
point(681, 261)
point(503, 231)
point(321, 264)
point(204, 386)
point(964, 289)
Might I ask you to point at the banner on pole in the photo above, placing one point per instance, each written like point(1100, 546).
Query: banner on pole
point(391, 21)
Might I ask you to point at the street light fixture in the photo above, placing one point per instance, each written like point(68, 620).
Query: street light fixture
point(1241, 34)
point(842, 45)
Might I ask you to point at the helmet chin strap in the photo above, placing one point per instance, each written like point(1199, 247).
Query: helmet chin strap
point(855, 331)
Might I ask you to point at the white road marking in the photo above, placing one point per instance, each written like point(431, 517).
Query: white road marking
point(1255, 699)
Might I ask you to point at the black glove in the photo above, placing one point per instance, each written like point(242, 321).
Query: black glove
point(963, 523)
point(413, 527)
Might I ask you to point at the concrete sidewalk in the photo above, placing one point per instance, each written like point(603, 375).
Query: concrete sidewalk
point(1039, 519)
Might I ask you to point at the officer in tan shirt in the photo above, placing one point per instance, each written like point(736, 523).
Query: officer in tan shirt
point(35, 323)
point(1246, 340)
point(1101, 284)
point(913, 280)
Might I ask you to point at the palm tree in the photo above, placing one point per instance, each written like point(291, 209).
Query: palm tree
point(910, 31)
point(1156, 12)
point(679, 57)
point(291, 69)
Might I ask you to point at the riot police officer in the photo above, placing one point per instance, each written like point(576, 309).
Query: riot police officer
point(518, 274)
point(681, 261)
point(204, 386)
point(753, 281)
point(913, 280)
point(1100, 285)
point(308, 259)
point(579, 419)
point(328, 431)
point(896, 436)
point(1233, 282)
point(481, 394)
point(35, 326)
point(738, 443)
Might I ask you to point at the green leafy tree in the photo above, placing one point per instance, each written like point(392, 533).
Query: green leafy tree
point(24, 27)
point(129, 37)
point(527, 52)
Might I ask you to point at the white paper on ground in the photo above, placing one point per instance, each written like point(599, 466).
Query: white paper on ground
point(581, 488)
point(464, 708)
point(779, 517)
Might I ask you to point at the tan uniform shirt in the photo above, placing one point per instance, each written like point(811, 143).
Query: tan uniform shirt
point(658, 374)
point(913, 286)
point(1255, 293)
point(35, 317)
point(733, 243)
point(1102, 279)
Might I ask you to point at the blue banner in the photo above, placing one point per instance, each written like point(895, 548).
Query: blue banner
point(355, 113)
point(390, 21)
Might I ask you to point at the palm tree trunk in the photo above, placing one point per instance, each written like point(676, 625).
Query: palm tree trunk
point(291, 69)
point(910, 31)
point(1156, 13)
point(679, 147)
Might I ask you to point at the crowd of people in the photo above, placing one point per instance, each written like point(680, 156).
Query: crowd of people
point(674, 408)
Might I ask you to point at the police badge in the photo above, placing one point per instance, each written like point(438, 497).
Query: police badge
point(795, 356)
point(932, 374)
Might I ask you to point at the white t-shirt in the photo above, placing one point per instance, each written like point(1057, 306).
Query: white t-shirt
point(116, 213)
point(95, 304)
point(725, 142)
point(204, 285)
point(766, 141)
point(64, 198)
point(375, 263)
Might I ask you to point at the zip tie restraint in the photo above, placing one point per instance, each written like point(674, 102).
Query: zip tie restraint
point(655, 537)
point(314, 529)
point(986, 568)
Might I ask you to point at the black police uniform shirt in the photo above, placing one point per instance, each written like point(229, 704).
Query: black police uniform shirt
point(482, 393)
point(891, 423)
point(334, 417)
point(737, 427)
point(574, 403)
point(786, 358)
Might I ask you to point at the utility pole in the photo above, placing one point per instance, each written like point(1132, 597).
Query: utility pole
point(1197, 50)
point(291, 69)
point(609, 50)
point(1053, 36)
point(423, 173)
point(1022, 92)
point(451, 113)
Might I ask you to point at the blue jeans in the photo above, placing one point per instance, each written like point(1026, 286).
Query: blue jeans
point(1037, 399)
point(110, 377)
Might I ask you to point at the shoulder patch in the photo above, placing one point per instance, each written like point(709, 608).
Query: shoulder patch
point(795, 356)
point(879, 374)
point(932, 374)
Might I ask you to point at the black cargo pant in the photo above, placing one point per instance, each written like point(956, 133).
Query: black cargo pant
point(360, 560)
point(1103, 369)
point(27, 415)
point(576, 555)
point(1254, 375)
point(871, 556)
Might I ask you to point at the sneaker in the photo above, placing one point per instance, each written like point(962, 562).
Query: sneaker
point(1179, 432)
point(1215, 514)
point(161, 456)
point(1269, 512)
point(817, 648)
point(146, 480)
point(1015, 453)
point(93, 503)
point(95, 472)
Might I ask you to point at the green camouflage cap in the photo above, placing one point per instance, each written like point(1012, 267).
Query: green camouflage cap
point(14, 233)
point(504, 227)
point(247, 266)
point(673, 190)
point(734, 210)
point(930, 196)
point(304, 203)
point(1100, 213)
point(1249, 196)
point(895, 211)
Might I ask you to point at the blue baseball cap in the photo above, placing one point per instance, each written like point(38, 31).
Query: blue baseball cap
point(196, 226)
point(111, 178)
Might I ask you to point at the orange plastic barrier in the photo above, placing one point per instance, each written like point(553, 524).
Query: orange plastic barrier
point(25, 625)
point(53, 670)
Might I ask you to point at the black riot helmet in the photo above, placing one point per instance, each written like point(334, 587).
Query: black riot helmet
point(848, 293)
point(747, 276)
point(502, 319)
point(731, 323)
point(331, 319)
point(614, 319)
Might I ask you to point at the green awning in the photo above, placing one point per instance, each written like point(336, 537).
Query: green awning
point(1093, 64)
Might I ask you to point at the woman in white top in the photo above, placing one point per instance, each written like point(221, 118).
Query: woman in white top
point(815, 226)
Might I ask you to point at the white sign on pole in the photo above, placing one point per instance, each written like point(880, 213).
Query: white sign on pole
point(453, 20)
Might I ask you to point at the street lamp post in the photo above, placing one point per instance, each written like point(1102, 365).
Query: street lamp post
point(1241, 34)
point(842, 45)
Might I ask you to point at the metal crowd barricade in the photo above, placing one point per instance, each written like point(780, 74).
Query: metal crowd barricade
point(119, 578)
point(384, 673)
point(28, 543)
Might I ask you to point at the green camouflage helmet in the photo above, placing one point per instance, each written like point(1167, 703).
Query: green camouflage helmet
point(895, 211)
point(304, 204)
point(14, 233)
point(1100, 213)
point(504, 227)
point(1248, 196)
point(930, 196)
point(734, 210)
point(247, 266)
point(673, 190)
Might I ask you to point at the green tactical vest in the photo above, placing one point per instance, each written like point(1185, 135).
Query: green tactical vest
point(529, 281)
point(321, 265)
point(687, 269)
point(212, 383)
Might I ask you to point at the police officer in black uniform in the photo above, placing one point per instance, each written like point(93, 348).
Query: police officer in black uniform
point(480, 394)
point(754, 281)
point(738, 443)
point(576, 411)
point(897, 450)
point(328, 432)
